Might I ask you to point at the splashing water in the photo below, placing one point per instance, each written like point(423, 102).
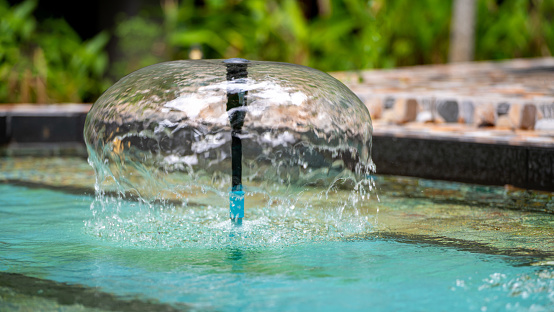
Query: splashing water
point(161, 139)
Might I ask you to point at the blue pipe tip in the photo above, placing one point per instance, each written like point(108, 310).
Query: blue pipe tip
point(236, 199)
point(236, 60)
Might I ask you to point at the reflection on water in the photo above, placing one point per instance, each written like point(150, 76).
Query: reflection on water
point(43, 236)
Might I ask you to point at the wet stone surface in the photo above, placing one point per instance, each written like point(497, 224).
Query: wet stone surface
point(23, 293)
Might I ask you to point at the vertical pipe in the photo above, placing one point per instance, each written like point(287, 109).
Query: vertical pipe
point(236, 98)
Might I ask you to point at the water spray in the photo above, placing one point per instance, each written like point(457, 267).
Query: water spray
point(189, 130)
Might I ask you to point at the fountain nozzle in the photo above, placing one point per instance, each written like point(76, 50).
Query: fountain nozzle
point(236, 199)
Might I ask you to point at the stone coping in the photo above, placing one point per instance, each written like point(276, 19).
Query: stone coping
point(465, 133)
point(64, 109)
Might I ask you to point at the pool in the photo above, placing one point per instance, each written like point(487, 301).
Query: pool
point(429, 246)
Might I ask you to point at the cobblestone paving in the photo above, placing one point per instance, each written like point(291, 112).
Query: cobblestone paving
point(509, 101)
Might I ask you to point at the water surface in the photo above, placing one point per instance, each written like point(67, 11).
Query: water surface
point(45, 234)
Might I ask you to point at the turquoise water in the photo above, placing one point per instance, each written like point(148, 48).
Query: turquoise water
point(47, 234)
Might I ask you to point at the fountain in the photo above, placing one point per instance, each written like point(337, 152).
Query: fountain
point(210, 133)
point(180, 148)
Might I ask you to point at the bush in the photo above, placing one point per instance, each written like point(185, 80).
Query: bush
point(514, 29)
point(47, 62)
point(349, 34)
point(50, 63)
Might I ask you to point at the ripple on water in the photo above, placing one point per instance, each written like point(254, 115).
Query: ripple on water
point(147, 225)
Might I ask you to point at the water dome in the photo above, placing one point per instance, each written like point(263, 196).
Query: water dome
point(170, 132)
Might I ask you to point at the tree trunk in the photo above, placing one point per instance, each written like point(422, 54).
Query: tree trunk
point(462, 32)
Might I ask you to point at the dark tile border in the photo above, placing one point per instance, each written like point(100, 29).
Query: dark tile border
point(4, 135)
point(22, 124)
point(492, 164)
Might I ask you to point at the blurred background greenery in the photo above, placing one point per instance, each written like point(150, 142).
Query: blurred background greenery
point(44, 59)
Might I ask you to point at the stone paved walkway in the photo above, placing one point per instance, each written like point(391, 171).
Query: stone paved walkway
point(508, 102)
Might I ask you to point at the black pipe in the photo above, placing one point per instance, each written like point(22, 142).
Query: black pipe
point(236, 98)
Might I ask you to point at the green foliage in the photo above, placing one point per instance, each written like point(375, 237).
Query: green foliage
point(343, 38)
point(515, 28)
point(414, 32)
point(47, 62)
point(347, 35)
point(141, 42)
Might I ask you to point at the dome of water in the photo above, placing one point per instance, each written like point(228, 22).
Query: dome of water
point(192, 131)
